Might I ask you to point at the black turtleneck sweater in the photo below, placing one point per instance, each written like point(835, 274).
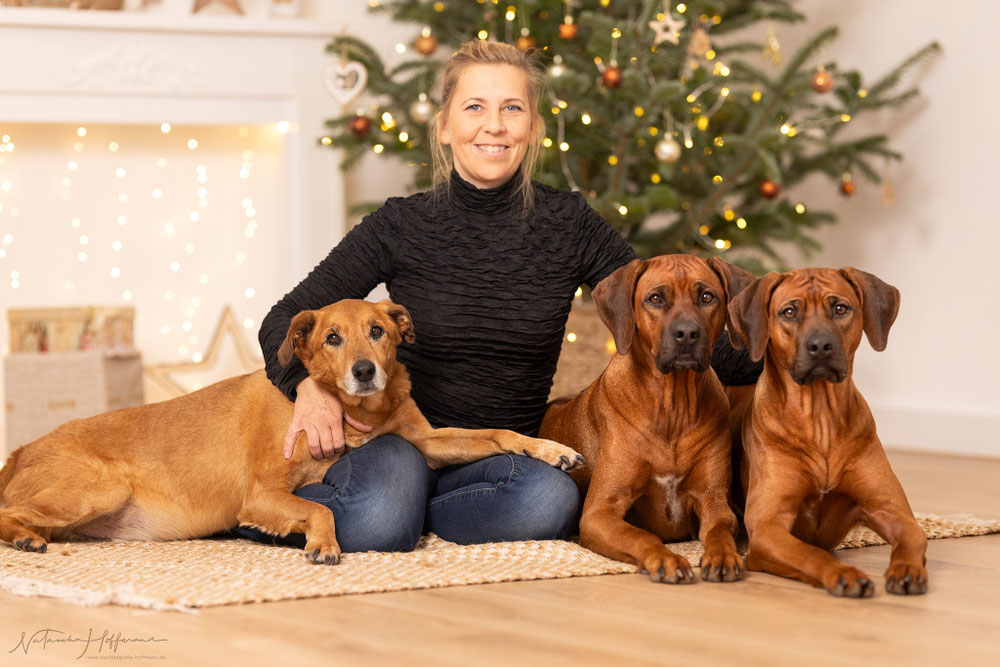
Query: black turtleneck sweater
point(489, 292)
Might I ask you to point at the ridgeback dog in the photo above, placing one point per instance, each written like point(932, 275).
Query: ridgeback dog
point(813, 465)
point(208, 461)
point(654, 425)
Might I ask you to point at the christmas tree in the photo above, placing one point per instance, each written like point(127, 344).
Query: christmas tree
point(665, 116)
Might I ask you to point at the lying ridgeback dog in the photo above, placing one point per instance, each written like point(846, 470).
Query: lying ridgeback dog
point(813, 464)
point(208, 461)
point(654, 425)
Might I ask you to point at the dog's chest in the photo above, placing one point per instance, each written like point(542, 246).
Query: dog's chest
point(669, 487)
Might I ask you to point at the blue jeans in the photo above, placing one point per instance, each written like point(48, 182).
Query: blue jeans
point(383, 496)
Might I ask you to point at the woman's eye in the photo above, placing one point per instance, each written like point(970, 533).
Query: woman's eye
point(377, 332)
point(513, 107)
point(334, 340)
point(707, 297)
point(655, 299)
point(841, 309)
point(473, 107)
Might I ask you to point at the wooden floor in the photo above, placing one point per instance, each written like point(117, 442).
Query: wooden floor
point(622, 619)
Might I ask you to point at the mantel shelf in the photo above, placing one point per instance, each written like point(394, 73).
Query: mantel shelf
point(152, 21)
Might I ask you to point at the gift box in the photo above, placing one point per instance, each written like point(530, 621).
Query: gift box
point(46, 390)
point(68, 329)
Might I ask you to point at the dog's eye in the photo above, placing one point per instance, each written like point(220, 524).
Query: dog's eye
point(377, 332)
point(655, 299)
point(788, 313)
point(707, 297)
point(841, 309)
point(334, 340)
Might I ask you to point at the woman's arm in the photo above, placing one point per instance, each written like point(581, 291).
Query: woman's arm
point(601, 248)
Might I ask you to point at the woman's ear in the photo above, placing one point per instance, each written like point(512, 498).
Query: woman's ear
point(444, 134)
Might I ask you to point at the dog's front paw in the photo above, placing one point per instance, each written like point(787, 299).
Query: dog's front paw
point(906, 579)
point(723, 564)
point(36, 544)
point(666, 567)
point(848, 582)
point(325, 554)
point(555, 454)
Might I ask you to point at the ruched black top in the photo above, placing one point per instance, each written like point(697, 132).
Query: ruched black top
point(489, 291)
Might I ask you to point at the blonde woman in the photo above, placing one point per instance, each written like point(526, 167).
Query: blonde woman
point(487, 263)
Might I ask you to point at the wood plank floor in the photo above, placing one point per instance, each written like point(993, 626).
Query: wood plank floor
point(622, 619)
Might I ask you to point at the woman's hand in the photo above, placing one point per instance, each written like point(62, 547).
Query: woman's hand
point(320, 414)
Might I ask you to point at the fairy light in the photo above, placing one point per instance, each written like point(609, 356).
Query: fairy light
point(511, 13)
point(283, 127)
point(846, 118)
point(563, 146)
point(741, 223)
point(192, 144)
point(800, 208)
point(378, 148)
point(655, 178)
point(585, 119)
point(165, 128)
point(326, 141)
point(756, 95)
point(483, 35)
point(547, 142)
point(400, 48)
point(571, 337)
point(579, 292)
point(612, 160)
point(623, 210)
point(653, 131)
point(81, 132)
point(717, 179)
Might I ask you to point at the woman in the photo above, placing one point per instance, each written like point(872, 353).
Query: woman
point(487, 264)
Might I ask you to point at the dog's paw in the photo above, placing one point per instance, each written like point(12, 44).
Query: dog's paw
point(849, 582)
point(37, 545)
point(906, 579)
point(721, 565)
point(667, 567)
point(328, 554)
point(555, 454)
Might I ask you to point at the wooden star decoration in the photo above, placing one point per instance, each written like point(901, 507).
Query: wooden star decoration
point(232, 4)
point(668, 29)
point(170, 380)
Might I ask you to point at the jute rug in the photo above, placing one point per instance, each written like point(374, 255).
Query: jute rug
point(186, 575)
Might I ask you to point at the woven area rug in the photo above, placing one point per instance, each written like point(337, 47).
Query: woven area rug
point(186, 575)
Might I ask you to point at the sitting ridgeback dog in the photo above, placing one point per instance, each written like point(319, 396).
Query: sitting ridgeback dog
point(813, 465)
point(654, 425)
point(208, 461)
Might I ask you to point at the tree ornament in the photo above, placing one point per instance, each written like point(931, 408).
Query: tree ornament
point(668, 29)
point(769, 189)
point(360, 126)
point(344, 80)
point(772, 48)
point(611, 77)
point(525, 42)
point(667, 150)
point(426, 44)
point(846, 185)
point(699, 44)
point(568, 31)
point(421, 110)
point(557, 69)
point(822, 81)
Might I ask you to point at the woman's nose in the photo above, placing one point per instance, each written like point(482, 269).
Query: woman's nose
point(494, 122)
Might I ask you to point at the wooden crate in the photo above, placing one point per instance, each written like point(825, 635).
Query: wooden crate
point(46, 390)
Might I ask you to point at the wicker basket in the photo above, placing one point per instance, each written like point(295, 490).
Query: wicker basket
point(586, 350)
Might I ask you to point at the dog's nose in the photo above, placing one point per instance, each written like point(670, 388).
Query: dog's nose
point(685, 331)
point(820, 345)
point(363, 371)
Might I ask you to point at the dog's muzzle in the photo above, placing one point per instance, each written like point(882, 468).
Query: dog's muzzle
point(365, 378)
point(683, 346)
point(820, 356)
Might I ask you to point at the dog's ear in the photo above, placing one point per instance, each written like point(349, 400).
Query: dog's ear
point(613, 297)
point(734, 280)
point(879, 304)
point(401, 317)
point(748, 315)
point(300, 328)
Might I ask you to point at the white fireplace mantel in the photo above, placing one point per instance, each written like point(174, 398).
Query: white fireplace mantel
point(59, 66)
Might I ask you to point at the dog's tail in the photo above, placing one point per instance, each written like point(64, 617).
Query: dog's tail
point(7, 472)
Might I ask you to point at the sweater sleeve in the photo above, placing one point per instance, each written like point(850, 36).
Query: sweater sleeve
point(357, 264)
point(601, 248)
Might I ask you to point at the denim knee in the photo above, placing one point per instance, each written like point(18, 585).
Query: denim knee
point(386, 496)
point(549, 501)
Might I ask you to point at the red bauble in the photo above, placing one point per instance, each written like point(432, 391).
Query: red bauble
point(568, 31)
point(612, 76)
point(360, 126)
point(425, 45)
point(847, 187)
point(822, 81)
point(769, 189)
point(525, 42)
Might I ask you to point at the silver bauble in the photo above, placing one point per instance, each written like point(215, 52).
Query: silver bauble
point(667, 150)
point(421, 110)
point(557, 69)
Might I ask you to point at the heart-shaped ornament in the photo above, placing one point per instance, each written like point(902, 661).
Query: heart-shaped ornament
point(344, 81)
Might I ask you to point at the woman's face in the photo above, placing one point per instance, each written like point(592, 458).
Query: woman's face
point(488, 124)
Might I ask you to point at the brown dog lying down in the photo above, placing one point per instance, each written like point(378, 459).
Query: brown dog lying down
point(813, 465)
point(210, 460)
point(654, 425)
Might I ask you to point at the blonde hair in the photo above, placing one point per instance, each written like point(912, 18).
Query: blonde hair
point(481, 52)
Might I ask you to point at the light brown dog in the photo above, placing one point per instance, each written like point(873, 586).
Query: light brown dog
point(654, 425)
point(210, 460)
point(813, 464)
